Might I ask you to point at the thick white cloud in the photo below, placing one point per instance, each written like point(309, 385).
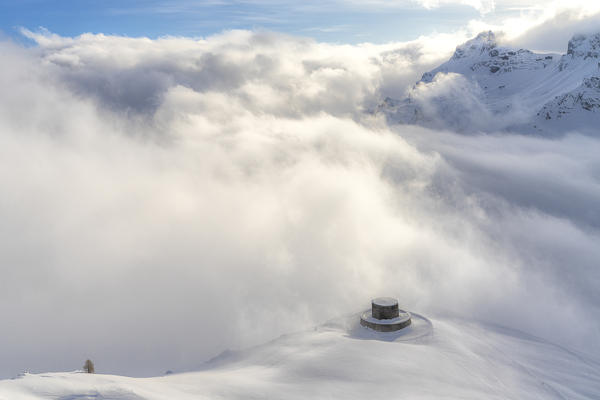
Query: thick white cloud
point(266, 72)
point(539, 25)
point(167, 199)
point(557, 30)
point(451, 101)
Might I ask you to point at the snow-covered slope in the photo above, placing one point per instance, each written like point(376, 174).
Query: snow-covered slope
point(578, 109)
point(430, 359)
point(487, 87)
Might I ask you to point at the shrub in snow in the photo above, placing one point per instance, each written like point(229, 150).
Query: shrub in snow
point(88, 367)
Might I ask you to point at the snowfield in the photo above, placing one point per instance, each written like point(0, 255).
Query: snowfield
point(442, 358)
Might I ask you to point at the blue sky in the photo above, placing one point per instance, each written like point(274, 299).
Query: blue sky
point(335, 21)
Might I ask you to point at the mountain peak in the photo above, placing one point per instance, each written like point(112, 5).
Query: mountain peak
point(508, 88)
point(584, 46)
point(482, 43)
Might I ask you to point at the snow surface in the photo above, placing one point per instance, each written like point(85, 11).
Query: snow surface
point(443, 358)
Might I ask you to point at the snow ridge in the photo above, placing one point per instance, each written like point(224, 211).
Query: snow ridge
point(342, 360)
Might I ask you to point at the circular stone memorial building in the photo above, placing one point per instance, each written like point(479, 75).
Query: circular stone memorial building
point(385, 316)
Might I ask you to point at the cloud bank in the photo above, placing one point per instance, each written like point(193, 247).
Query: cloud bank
point(167, 199)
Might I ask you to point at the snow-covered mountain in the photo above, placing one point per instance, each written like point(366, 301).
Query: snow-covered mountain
point(443, 358)
point(487, 87)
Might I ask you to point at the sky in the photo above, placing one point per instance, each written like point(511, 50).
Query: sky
point(171, 192)
point(322, 20)
point(342, 21)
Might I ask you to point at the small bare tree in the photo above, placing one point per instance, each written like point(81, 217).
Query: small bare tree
point(88, 367)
